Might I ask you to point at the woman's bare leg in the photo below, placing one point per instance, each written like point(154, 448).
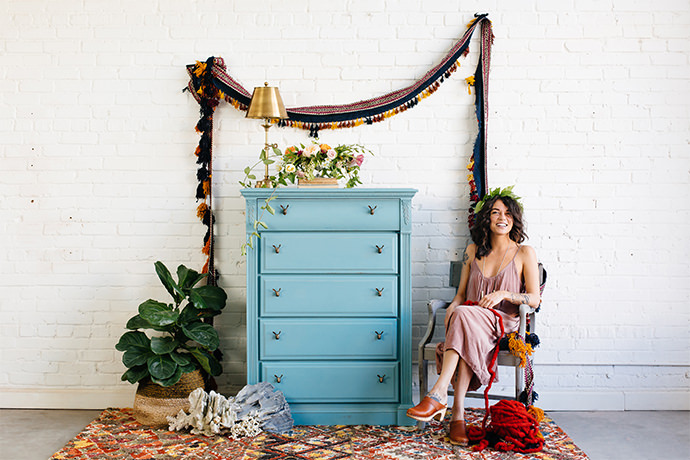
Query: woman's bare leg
point(450, 363)
point(462, 382)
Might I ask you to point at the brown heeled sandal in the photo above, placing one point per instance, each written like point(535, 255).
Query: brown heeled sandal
point(458, 433)
point(427, 409)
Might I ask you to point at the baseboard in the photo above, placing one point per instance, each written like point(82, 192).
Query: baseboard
point(578, 400)
point(39, 398)
point(575, 400)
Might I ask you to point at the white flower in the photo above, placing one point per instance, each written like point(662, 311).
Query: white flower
point(290, 168)
point(311, 150)
point(331, 154)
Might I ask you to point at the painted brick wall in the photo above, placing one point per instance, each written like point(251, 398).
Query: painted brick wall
point(589, 118)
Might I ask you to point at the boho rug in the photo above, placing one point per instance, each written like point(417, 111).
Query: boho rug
point(117, 435)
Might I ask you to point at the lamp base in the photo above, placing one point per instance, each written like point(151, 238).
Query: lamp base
point(265, 183)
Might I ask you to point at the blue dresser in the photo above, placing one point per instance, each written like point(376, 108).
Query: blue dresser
point(328, 303)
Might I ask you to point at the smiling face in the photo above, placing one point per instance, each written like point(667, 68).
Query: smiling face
point(501, 219)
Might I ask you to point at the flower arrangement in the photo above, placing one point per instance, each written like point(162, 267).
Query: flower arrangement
point(311, 161)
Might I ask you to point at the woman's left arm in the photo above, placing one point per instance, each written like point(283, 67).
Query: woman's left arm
point(530, 273)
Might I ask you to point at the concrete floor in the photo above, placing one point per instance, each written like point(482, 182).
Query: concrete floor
point(602, 435)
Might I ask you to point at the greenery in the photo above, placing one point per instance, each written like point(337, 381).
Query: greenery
point(184, 343)
point(308, 162)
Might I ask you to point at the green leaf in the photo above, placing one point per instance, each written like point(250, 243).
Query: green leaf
point(161, 366)
point(188, 278)
point(170, 381)
point(135, 374)
point(208, 297)
point(277, 151)
point(157, 313)
point(191, 367)
point(182, 359)
point(167, 280)
point(270, 209)
point(163, 345)
point(247, 170)
point(136, 356)
point(202, 333)
point(207, 361)
point(251, 177)
point(137, 322)
point(133, 339)
point(261, 224)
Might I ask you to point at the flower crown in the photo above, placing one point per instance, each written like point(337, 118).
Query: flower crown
point(498, 192)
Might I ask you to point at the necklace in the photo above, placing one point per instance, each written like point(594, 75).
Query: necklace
point(499, 266)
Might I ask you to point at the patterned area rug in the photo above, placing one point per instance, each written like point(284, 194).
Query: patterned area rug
point(117, 435)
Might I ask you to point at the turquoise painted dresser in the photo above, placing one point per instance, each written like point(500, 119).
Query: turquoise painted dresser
point(328, 302)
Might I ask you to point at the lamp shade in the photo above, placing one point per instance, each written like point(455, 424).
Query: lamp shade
point(266, 103)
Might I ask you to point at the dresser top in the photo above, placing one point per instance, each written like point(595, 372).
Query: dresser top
point(294, 192)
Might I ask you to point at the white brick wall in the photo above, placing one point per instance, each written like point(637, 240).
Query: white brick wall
point(589, 118)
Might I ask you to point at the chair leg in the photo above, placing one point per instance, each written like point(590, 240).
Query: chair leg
point(519, 381)
point(423, 385)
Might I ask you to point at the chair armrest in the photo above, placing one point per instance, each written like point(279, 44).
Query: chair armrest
point(433, 306)
point(524, 311)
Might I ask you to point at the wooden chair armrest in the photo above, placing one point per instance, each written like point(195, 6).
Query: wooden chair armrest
point(433, 306)
point(524, 311)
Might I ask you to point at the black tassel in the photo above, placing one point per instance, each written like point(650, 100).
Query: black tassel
point(200, 195)
point(532, 339)
point(207, 236)
point(202, 174)
point(204, 124)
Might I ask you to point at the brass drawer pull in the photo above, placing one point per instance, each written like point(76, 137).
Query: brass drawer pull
point(280, 377)
point(277, 334)
point(381, 377)
point(284, 209)
point(379, 292)
point(378, 248)
point(371, 210)
point(277, 293)
point(378, 335)
point(277, 248)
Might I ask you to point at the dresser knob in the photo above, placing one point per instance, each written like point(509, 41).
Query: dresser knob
point(381, 377)
point(277, 248)
point(371, 210)
point(284, 209)
point(277, 293)
point(378, 248)
point(378, 335)
point(379, 292)
point(280, 377)
point(277, 334)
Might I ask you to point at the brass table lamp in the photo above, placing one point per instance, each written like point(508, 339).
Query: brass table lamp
point(266, 103)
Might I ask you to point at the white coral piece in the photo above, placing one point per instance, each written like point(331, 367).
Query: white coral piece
point(212, 413)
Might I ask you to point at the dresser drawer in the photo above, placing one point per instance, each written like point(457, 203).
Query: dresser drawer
point(334, 214)
point(328, 252)
point(336, 338)
point(328, 295)
point(333, 382)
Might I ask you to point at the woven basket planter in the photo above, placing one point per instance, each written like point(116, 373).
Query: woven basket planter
point(154, 403)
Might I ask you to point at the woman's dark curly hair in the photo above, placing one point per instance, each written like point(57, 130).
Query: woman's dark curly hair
point(481, 233)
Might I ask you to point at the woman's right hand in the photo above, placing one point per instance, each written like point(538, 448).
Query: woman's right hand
point(449, 313)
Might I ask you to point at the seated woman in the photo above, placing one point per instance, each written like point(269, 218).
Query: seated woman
point(498, 273)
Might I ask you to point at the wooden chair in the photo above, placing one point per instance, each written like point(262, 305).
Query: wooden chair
point(427, 348)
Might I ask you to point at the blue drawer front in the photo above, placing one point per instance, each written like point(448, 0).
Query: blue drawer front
point(328, 295)
point(337, 214)
point(333, 382)
point(340, 338)
point(329, 252)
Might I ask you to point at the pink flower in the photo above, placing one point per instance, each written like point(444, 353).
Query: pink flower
point(331, 154)
point(359, 159)
point(311, 150)
point(300, 174)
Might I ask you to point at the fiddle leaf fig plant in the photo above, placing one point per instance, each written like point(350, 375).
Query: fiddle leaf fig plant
point(183, 343)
